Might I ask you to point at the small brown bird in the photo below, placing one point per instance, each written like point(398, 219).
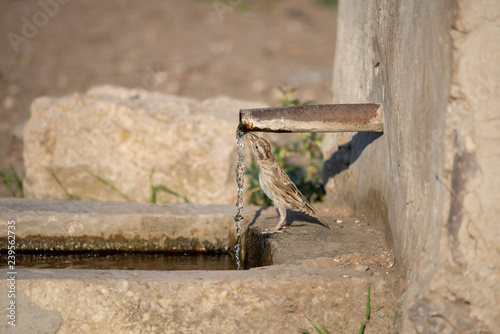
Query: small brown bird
point(277, 185)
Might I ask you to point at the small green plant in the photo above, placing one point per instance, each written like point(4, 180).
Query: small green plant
point(306, 177)
point(229, 6)
point(97, 177)
point(66, 192)
point(323, 330)
point(367, 314)
point(330, 3)
point(156, 189)
point(109, 185)
point(24, 108)
point(12, 182)
point(288, 100)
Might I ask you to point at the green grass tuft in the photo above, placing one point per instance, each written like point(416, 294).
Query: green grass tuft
point(367, 314)
point(12, 182)
point(66, 192)
point(330, 3)
point(156, 189)
point(323, 330)
point(109, 185)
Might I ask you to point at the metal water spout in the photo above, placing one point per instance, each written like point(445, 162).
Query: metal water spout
point(314, 118)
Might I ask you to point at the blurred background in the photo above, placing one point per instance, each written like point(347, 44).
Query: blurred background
point(198, 48)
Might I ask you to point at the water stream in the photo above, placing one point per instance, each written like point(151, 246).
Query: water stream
point(240, 174)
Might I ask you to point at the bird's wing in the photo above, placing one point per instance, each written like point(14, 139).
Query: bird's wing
point(289, 191)
point(290, 195)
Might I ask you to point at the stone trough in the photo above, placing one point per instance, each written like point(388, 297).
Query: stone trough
point(325, 283)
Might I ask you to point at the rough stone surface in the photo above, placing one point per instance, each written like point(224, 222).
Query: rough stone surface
point(68, 225)
point(431, 181)
point(264, 300)
point(119, 136)
point(353, 241)
point(318, 282)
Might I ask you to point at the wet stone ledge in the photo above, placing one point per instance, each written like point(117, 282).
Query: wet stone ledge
point(114, 243)
point(65, 225)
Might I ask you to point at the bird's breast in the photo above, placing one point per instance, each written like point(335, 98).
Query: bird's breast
point(265, 181)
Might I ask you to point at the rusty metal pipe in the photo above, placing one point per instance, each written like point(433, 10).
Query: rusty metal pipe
point(314, 118)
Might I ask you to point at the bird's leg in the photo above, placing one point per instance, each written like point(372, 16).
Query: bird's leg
point(277, 229)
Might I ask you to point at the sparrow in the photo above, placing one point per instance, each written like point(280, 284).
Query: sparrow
point(277, 185)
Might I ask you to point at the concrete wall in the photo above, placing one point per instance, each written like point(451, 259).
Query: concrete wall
point(432, 180)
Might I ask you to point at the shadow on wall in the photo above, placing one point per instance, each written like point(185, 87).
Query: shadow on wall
point(372, 204)
point(348, 153)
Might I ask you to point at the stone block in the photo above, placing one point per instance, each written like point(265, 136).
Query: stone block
point(264, 300)
point(104, 145)
point(65, 225)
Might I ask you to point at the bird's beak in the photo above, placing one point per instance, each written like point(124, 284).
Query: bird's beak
point(252, 137)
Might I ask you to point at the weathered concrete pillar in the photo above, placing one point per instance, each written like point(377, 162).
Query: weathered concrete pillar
point(432, 180)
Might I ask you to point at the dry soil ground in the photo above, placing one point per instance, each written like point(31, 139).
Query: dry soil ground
point(193, 48)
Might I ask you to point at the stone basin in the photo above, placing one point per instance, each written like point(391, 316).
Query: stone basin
point(319, 273)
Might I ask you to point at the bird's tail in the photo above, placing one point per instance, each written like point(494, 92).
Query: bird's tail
point(310, 211)
point(313, 214)
point(322, 222)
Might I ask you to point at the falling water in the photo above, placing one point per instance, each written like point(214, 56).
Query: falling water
point(240, 173)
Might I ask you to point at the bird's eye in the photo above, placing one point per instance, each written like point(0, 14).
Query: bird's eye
point(256, 147)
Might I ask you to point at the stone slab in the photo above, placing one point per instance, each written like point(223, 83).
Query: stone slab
point(305, 239)
point(86, 225)
point(263, 300)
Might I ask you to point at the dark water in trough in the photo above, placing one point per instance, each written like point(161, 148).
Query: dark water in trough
point(121, 260)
